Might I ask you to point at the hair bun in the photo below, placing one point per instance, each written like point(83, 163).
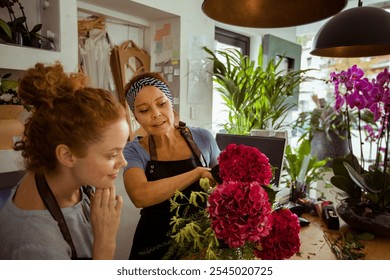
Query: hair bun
point(43, 84)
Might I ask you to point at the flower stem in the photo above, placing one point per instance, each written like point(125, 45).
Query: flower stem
point(348, 123)
point(25, 21)
point(11, 12)
point(387, 115)
point(362, 162)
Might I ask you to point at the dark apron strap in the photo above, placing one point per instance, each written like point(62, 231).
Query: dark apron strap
point(55, 210)
point(152, 148)
point(185, 132)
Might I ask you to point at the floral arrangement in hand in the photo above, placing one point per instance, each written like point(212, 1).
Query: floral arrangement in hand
point(365, 183)
point(239, 221)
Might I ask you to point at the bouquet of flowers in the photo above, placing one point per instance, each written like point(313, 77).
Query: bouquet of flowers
point(239, 221)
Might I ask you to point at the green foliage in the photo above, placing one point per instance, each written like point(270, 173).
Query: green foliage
point(192, 234)
point(255, 97)
point(18, 25)
point(372, 185)
point(8, 90)
point(294, 158)
point(8, 29)
point(5, 31)
point(348, 245)
point(322, 119)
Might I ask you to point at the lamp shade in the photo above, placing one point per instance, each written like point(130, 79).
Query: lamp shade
point(271, 13)
point(356, 32)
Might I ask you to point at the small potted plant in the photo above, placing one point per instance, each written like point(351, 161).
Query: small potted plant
point(326, 129)
point(302, 169)
point(16, 30)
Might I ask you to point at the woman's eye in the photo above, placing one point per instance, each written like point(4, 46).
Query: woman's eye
point(143, 111)
point(112, 156)
point(163, 103)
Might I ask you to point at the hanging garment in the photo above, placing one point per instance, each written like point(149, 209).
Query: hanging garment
point(95, 52)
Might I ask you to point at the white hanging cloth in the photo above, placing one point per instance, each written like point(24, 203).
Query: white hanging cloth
point(95, 51)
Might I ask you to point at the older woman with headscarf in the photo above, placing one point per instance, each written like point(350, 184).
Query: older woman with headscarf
point(169, 158)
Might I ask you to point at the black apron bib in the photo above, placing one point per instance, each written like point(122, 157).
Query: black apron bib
point(151, 239)
point(51, 203)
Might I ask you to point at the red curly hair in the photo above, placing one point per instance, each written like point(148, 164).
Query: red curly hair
point(66, 111)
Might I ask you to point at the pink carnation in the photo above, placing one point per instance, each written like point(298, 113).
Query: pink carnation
point(239, 212)
point(245, 164)
point(283, 241)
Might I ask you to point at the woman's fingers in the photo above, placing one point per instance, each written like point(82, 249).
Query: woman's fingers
point(119, 202)
point(105, 220)
point(112, 198)
point(107, 198)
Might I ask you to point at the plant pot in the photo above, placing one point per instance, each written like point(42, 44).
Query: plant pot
point(329, 145)
point(33, 42)
point(365, 219)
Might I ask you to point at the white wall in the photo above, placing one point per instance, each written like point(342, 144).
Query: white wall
point(193, 24)
point(196, 30)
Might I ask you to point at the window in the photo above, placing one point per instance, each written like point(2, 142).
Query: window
point(225, 39)
point(232, 39)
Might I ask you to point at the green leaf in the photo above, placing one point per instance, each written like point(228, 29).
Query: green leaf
point(359, 179)
point(254, 97)
point(36, 28)
point(346, 184)
point(6, 28)
point(365, 236)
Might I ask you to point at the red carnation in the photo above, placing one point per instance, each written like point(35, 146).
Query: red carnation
point(245, 164)
point(283, 241)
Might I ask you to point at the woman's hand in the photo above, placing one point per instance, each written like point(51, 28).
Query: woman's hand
point(106, 210)
point(205, 173)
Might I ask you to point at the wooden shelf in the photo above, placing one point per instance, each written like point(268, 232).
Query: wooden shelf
point(20, 58)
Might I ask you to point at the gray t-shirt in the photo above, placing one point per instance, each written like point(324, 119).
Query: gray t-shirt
point(34, 234)
point(136, 156)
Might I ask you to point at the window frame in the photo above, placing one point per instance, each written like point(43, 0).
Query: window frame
point(233, 39)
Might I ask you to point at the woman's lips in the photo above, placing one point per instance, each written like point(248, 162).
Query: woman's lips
point(113, 176)
point(159, 124)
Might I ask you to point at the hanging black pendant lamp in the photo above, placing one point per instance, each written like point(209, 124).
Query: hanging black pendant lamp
point(271, 13)
point(356, 32)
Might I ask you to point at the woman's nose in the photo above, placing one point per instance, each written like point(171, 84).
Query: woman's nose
point(122, 161)
point(155, 113)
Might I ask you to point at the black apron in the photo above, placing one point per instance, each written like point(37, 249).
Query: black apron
point(151, 239)
point(51, 203)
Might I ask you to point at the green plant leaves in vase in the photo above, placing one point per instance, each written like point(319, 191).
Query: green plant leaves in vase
point(256, 97)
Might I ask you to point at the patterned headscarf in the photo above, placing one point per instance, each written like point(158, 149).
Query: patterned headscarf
point(132, 93)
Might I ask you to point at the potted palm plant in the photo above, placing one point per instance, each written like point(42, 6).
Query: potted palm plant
point(256, 96)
